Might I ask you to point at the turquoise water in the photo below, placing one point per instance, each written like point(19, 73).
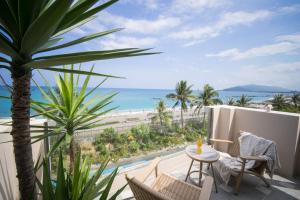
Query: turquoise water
point(133, 99)
point(123, 167)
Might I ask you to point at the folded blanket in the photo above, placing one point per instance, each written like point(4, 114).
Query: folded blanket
point(250, 145)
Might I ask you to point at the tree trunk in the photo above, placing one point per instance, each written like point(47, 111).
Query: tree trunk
point(161, 125)
point(204, 119)
point(181, 118)
point(72, 155)
point(21, 135)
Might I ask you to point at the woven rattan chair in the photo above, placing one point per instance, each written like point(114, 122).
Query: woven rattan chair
point(166, 187)
point(234, 151)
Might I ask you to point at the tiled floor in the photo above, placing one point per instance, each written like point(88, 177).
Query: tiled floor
point(251, 187)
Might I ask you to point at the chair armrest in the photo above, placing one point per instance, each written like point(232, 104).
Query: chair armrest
point(257, 158)
point(221, 141)
point(153, 166)
point(206, 188)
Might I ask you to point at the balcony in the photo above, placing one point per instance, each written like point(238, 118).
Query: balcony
point(225, 123)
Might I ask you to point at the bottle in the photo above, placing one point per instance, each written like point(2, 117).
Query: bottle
point(199, 145)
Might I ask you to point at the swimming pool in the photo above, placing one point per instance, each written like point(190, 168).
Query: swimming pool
point(125, 167)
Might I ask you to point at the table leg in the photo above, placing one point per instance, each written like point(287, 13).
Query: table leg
point(213, 173)
point(200, 173)
point(189, 170)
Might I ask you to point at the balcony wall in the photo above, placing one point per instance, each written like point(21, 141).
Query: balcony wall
point(8, 172)
point(281, 127)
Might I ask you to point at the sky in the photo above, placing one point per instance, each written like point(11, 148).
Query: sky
point(221, 42)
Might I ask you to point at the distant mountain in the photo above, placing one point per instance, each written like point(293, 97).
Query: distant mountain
point(257, 88)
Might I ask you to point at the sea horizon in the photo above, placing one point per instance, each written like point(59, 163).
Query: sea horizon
point(136, 99)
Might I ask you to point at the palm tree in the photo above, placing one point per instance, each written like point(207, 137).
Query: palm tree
point(278, 101)
point(295, 99)
point(243, 101)
point(183, 96)
point(208, 97)
point(28, 28)
point(231, 101)
point(72, 108)
point(163, 117)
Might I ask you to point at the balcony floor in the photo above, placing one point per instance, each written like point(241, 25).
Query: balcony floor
point(251, 187)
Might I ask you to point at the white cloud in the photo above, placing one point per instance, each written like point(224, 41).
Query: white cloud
point(227, 21)
point(286, 44)
point(182, 6)
point(145, 26)
point(289, 9)
point(277, 74)
point(282, 68)
point(150, 4)
point(128, 42)
point(289, 38)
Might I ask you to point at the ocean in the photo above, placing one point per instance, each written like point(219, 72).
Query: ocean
point(134, 99)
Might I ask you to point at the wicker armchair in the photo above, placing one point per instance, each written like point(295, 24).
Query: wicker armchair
point(234, 151)
point(166, 187)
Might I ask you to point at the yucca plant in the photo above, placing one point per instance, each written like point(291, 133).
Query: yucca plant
point(72, 107)
point(182, 97)
point(81, 185)
point(27, 29)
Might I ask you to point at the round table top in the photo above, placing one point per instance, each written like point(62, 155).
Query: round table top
point(208, 154)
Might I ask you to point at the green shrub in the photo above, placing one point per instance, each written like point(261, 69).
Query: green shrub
point(194, 124)
point(140, 139)
point(141, 133)
point(133, 147)
point(192, 136)
point(110, 135)
point(101, 148)
point(175, 127)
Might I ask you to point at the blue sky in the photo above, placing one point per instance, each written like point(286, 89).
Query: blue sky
point(220, 42)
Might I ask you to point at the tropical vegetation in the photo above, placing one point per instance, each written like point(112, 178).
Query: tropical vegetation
point(140, 139)
point(295, 99)
point(243, 101)
point(82, 184)
point(207, 97)
point(182, 97)
point(231, 101)
point(286, 103)
point(162, 117)
point(27, 29)
point(278, 101)
point(72, 107)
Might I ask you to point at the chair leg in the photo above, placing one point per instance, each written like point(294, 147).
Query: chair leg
point(238, 183)
point(213, 173)
point(239, 179)
point(265, 180)
point(200, 173)
point(187, 175)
